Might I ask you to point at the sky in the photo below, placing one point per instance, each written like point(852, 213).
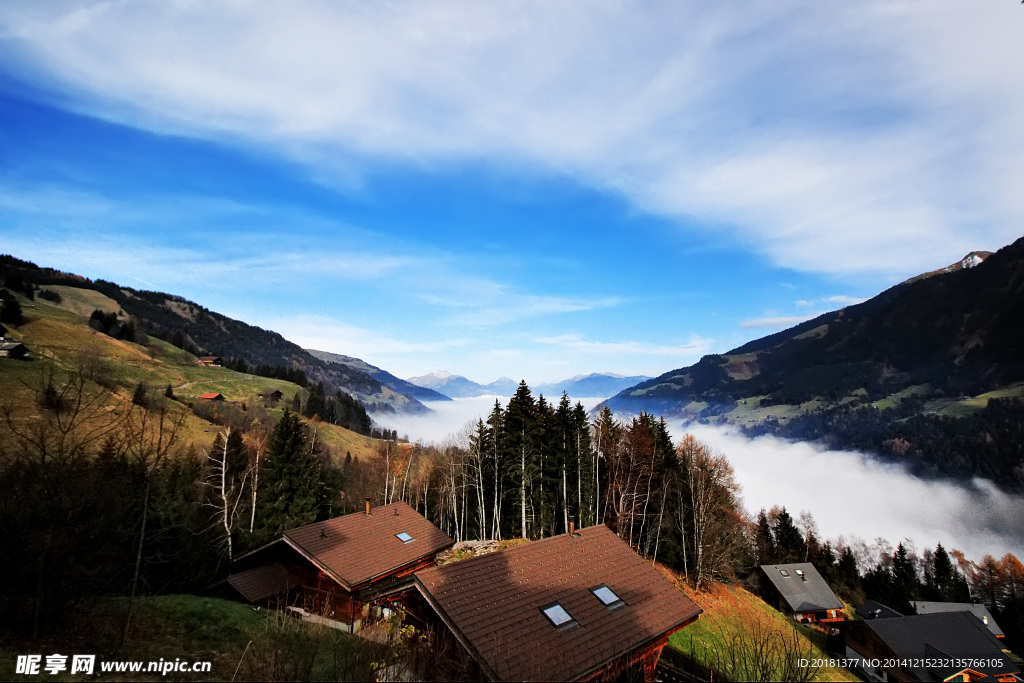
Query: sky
point(529, 189)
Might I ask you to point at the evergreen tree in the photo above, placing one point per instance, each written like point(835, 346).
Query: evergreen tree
point(789, 543)
point(764, 539)
point(292, 491)
point(906, 585)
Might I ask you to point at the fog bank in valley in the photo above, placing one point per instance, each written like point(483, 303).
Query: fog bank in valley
point(853, 495)
point(850, 494)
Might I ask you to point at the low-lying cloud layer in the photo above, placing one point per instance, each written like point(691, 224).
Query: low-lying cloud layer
point(853, 495)
point(848, 493)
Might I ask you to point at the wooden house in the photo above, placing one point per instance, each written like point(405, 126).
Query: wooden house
point(340, 568)
point(580, 606)
point(211, 396)
point(272, 395)
point(14, 350)
point(210, 360)
point(945, 646)
point(798, 590)
point(980, 611)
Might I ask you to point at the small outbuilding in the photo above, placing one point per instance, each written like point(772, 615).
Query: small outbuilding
point(210, 360)
point(979, 611)
point(14, 350)
point(212, 396)
point(945, 646)
point(580, 606)
point(272, 395)
point(341, 569)
point(799, 591)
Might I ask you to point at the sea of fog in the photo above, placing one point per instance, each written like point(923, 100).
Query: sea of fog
point(849, 494)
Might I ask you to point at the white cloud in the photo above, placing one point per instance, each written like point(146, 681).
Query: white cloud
point(844, 300)
point(694, 348)
point(880, 136)
point(783, 321)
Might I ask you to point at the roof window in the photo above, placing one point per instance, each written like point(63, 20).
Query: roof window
point(799, 572)
point(784, 573)
point(557, 615)
point(607, 596)
point(404, 537)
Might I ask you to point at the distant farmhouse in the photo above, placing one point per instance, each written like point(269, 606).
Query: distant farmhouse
point(14, 350)
point(272, 395)
point(580, 606)
point(799, 591)
point(342, 568)
point(210, 360)
point(980, 611)
point(212, 396)
point(944, 646)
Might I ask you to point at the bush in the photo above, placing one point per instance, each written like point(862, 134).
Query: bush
point(51, 295)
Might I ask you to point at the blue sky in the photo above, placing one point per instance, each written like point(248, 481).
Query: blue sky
point(531, 189)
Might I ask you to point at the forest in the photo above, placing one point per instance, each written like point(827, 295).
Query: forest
point(98, 502)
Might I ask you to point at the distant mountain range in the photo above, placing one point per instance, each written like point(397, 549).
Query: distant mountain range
point(889, 374)
point(457, 386)
point(383, 376)
point(580, 386)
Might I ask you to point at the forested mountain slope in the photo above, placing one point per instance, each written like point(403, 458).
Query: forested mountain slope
point(922, 359)
point(204, 332)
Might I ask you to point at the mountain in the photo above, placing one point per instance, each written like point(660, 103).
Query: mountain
point(457, 386)
point(594, 384)
point(892, 374)
point(382, 376)
point(206, 332)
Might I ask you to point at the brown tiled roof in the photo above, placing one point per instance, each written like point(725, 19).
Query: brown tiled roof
point(493, 604)
point(263, 582)
point(357, 548)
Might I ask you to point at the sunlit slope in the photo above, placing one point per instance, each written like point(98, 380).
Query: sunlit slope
point(58, 336)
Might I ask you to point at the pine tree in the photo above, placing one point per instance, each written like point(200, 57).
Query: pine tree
point(292, 489)
point(789, 543)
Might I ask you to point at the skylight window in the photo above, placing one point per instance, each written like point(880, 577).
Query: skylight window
point(557, 615)
point(606, 595)
point(404, 537)
point(799, 572)
point(784, 573)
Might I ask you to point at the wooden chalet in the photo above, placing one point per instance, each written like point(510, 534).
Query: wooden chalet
point(212, 396)
point(210, 360)
point(580, 606)
point(980, 611)
point(944, 646)
point(272, 395)
point(340, 568)
point(14, 350)
point(798, 590)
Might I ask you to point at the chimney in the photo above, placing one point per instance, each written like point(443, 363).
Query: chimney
point(572, 527)
point(367, 506)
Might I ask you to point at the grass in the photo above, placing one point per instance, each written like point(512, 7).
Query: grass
point(61, 336)
point(239, 641)
point(733, 616)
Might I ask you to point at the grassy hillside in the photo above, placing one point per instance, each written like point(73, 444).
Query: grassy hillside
point(60, 337)
point(738, 634)
point(240, 643)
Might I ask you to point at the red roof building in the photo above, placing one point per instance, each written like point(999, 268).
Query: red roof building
point(212, 396)
point(340, 567)
point(573, 607)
